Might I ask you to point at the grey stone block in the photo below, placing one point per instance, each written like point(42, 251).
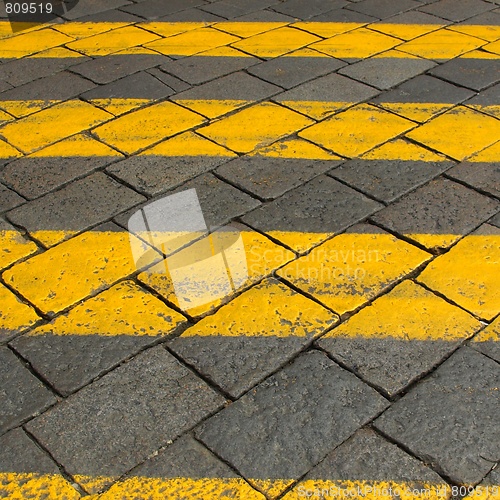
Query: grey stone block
point(306, 10)
point(9, 199)
point(457, 10)
point(484, 176)
point(383, 8)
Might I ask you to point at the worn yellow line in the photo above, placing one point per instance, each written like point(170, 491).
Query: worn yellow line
point(344, 40)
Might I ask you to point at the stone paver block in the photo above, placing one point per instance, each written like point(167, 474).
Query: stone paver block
point(9, 199)
point(182, 470)
point(467, 274)
point(75, 207)
point(383, 8)
point(234, 91)
point(422, 97)
point(344, 16)
point(22, 395)
point(400, 337)
point(172, 81)
point(95, 336)
point(37, 174)
point(28, 471)
point(268, 177)
point(84, 9)
point(236, 8)
point(457, 10)
point(326, 95)
point(482, 171)
point(354, 267)
point(311, 213)
point(450, 420)
point(393, 169)
point(488, 340)
point(152, 9)
point(475, 74)
point(487, 101)
point(135, 410)
point(301, 10)
point(485, 26)
point(291, 71)
point(252, 336)
point(112, 67)
point(366, 461)
point(291, 421)
point(438, 214)
point(193, 15)
point(387, 69)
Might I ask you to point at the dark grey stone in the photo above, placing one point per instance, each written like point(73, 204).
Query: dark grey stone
point(9, 199)
point(495, 220)
point(236, 8)
point(152, 9)
point(439, 207)
point(84, 8)
point(366, 458)
point(22, 395)
point(291, 420)
point(451, 420)
point(201, 69)
point(77, 206)
point(33, 177)
point(344, 16)
point(387, 180)
point(475, 74)
point(383, 8)
point(172, 81)
point(411, 17)
point(322, 205)
point(4, 86)
point(134, 410)
point(109, 68)
point(305, 10)
point(386, 72)
point(193, 15)
point(488, 97)
point(483, 176)
point(457, 10)
point(110, 16)
point(287, 72)
point(268, 177)
point(489, 347)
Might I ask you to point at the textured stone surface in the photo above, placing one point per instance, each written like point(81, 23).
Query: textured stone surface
point(306, 10)
point(9, 199)
point(451, 419)
point(149, 400)
point(291, 420)
point(383, 8)
point(456, 10)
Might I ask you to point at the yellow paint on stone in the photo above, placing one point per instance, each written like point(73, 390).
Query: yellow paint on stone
point(24, 108)
point(468, 273)
point(4, 117)
point(124, 309)
point(25, 44)
point(77, 145)
point(489, 110)
point(479, 54)
point(144, 127)
point(275, 43)
point(295, 148)
point(247, 29)
point(57, 53)
point(405, 31)
point(167, 29)
point(399, 149)
point(254, 127)
point(490, 33)
point(34, 486)
point(73, 270)
point(493, 47)
point(223, 51)
point(79, 30)
point(490, 334)
point(353, 268)
point(112, 41)
point(14, 314)
point(7, 151)
point(188, 144)
point(118, 107)
point(327, 30)
point(268, 309)
point(211, 108)
point(192, 42)
point(50, 125)
point(356, 130)
point(458, 133)
point(441, 44)
point(419, 112)
point(13, 246)
point(316, 109)
point(356, 44)
point(489, 155)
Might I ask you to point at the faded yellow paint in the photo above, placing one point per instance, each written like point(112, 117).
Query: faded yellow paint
point(14, 247)
point(327, 30)
point(14, 314)
point(468, 273)
point(57, 53)
point(25, 44)
point(188, 144)
point(260, 258)
point(124, 309)
point(490, 334)
point(489, 110)
point(268, 309)
point(77, 145)
point(112, 41)
point(23, 108)
point(33, 486)
point(295, 148)
point(459, 132)
point(118, 107)
point(223, 51)
point(247, 29)
point(254, 127)
point(4, 117)
point(419, 112)
point(353, 268)
point(192, 42)
point(356, 130)
point(405, 31)
point(316, 109)
point(50, 125)
point(144, 127)
point(371, 490)
point(79, 267)
point(409, 312)
point(276, 42)
point(399, 149)
point(490, 33)
point(211, 108)
point(441, 44)
point(356, 44)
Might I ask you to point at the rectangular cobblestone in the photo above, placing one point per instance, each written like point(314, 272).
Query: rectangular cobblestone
point(383, 8)
point(457, 11)
point(149, 400)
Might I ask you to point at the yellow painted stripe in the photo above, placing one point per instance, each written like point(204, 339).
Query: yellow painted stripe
point(459, 132)
point(343, 40)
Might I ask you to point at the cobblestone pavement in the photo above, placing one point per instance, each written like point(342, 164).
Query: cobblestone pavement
point(352, 151)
